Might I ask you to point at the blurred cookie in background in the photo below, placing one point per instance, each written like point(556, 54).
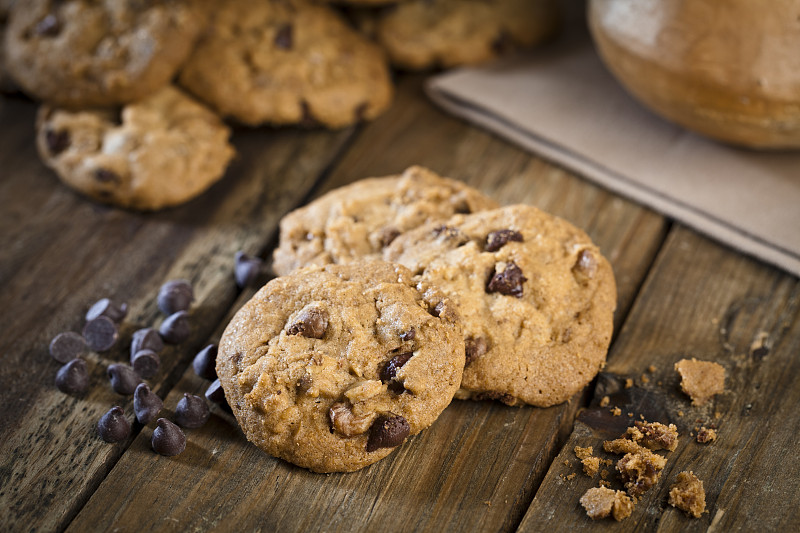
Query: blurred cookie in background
point(288, 63)
point(159, 152)
point(80, 53)
point(424, 34)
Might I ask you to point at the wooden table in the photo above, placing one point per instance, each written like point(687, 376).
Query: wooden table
point(482, 466)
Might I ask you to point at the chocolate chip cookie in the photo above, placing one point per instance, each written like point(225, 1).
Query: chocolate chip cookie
point(426, 33)
point(331, 368)
point(158, 152)
point(357, 221)
point(287, 62)
point(86, 53)
point(535, 295)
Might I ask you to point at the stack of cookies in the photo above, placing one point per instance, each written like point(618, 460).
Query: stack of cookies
point(135, 93)
point(396, 295)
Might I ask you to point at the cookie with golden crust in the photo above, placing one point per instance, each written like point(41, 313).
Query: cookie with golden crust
point(357, 221)
point(331, 368)
point(287, 62)
point(535, 295)
point(422, 34)
point(158, 152)
point(96, 53)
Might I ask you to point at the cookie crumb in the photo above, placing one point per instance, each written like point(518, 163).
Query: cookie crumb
point(700, 380)
point(645, 379)
point(628, 383)
point(687, 494)
point(601, 502)
point(604, 483)
point(705, 435)
point(616, 411)
point(571, 476)
point(655, 435)
point(630, 415)
point(605, 401)
point(591, 464)
point(651, 368)
point(603, 474)
point(680, 413)
point(640, 470)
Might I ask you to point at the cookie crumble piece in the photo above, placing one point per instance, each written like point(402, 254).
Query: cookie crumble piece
point(701, 380)
point(591, 464)
point(605, 401)
point(640, 470)
point(705, 435)
point(601, 502)
point(688, 494)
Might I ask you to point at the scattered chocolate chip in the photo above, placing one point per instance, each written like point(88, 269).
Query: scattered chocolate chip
point(175, 295)
point(73, 377)
point(57, 141)
point(106, 307)
point(168, 439)
point(124, 379)
point(585, 266)
point(409, 335)
point(246, 269)
point(104, 175)
point(497, 239)
point(475, 347)
point(216, 394)
point(283, 37)
point(146, 404)
point(145, 363)
point(310, 323)
point(146, 339)
point(175, 328)
point(205, 362)
point(114, 426)
point(49, 26)
point(508, 282)
point(388, 235)
point(100, 334)
point(192, 411)
point(67, 346)
point(389, 371)
point(387, 431)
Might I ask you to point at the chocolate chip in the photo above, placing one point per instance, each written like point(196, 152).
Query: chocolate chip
point(100, 334)
point(175, 295)
point(246, 269)
point(49, 26)
point(114, 426)
point(192, 411)
point(443, 310)
point(104, 175)
point(57, 141)
point(283, 37)
point(304, 383)
point(67, 346)
point(73, 377)
point(310, 323)
point(497, 239)
point(388, 235)
point(475, 347)
point(215, 394)
point(389, 371)
point(145, 363)
point(175, 328)
point(146, 339)
point(585, 266)
point(409, 335)
point(146, 404)
point(168, 439)
point(508, 282)
point(205, 361)
point(124, 379)
point(106, 307)
point(387, 431)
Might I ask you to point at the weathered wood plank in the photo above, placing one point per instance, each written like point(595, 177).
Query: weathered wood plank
point(476, 468)
point(59, 253)
point(701, 300)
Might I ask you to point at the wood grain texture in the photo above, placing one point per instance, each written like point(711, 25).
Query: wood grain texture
point(476, 468)
point(701, 300)
point(59, 253)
